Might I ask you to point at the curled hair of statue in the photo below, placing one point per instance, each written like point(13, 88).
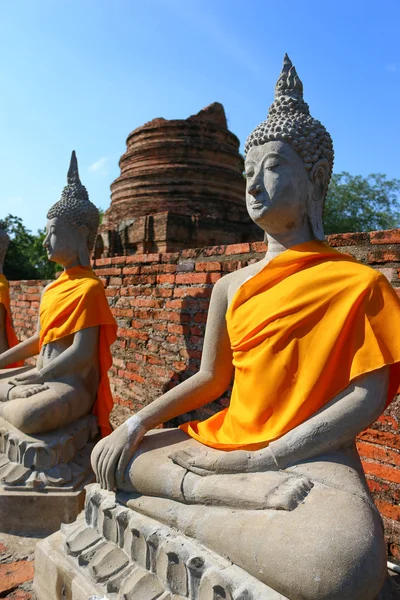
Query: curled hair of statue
point(289, 120)
point(74, 205)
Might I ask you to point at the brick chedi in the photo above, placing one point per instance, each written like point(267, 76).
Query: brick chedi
point(181, 186)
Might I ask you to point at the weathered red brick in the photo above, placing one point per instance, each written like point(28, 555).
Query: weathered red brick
point(348, 239)
point(258, 247)
point(19, 595)
point(14, 574)
point(208, 266)
point(237, 249)
point(382, 438)
point(161, 279)
point(382, 471)
point(131, 270)
point(110, 271)
point(388, 236)
point(184, 292)
point(101, 262)
point(377, 256)
point(388, 510)
point(214, 250)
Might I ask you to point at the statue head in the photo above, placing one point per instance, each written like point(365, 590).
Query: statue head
point(72, 222)
point(4, 243)
point(289, 161)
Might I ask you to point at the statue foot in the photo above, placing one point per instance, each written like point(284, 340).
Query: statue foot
point(203, 460)
point(250, 491)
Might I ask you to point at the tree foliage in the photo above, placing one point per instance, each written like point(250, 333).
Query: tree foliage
point(356, 203)
point(26, 258)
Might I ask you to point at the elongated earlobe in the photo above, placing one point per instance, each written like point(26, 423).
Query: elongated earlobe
point(83, 251)
point(319, 178)
point(84, 257)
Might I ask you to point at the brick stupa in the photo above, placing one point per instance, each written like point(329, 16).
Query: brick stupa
point(181, 186)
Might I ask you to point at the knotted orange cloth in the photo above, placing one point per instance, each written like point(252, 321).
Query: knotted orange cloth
point(12, 339)
point(301, 330)
point(75, 301)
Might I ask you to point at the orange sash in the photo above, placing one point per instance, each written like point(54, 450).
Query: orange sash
point(301, 330)
point(12, 339)
point(75, 301)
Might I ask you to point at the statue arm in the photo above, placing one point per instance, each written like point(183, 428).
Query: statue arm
point(337, 423)
point(21, 351)
point(112, 454)
point(25, 349)
point(333, 426)
point(213, 377)
point(82, 351)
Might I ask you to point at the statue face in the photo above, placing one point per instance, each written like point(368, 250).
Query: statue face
point(61, 242)
point(277, 187)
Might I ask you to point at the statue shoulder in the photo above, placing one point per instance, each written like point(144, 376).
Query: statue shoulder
point(231, 282)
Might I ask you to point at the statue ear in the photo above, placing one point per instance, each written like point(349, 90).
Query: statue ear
point(83, 251)
point(319, 179)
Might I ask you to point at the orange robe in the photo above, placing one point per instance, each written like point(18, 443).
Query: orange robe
point(309, 323)
point(75, 301)
point(12, 339)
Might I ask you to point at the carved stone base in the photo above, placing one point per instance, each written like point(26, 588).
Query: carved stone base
point(114, 552)
point(42, 477)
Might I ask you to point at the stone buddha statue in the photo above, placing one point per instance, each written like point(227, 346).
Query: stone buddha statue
point(272, 485)
point(46, 426)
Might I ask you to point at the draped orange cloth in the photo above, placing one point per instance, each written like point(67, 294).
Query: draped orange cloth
point(75, 301)
point(12, 339)
point(301, 330)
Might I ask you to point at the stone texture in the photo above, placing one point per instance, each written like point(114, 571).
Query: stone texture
point(181, 186)
point(42, 477)
point(114, 550)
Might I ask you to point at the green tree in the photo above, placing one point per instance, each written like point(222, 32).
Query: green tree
point(26, 258)
point(356, 203)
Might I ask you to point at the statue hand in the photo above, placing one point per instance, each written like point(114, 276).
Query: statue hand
point(203, 460)
point(111, 455)
point(31, 376)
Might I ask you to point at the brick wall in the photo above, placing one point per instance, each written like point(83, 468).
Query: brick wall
point(160, 302)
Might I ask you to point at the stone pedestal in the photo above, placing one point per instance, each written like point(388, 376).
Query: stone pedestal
point(42, 477)
point(114, 552)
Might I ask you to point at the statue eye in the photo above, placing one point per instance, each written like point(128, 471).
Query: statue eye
point(250, 173)
point(270, 166)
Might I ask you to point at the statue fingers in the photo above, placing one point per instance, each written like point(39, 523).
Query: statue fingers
point(108, 469)
point(95, 457)
point(101, 465)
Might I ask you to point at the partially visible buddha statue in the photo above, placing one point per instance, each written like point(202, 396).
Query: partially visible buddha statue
point(75, 329)
point(274, 481)
point(8, 339)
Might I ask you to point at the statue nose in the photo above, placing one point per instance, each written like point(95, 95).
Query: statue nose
point(254, 190)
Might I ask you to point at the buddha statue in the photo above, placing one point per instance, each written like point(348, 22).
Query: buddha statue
point(75, 329)
point(273, 484)
point(8, 339)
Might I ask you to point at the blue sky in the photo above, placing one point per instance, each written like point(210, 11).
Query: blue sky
point(82, 74)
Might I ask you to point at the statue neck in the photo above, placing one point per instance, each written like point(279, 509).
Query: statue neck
point(279, 242)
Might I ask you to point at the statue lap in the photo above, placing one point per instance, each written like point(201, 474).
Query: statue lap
point(336, 528)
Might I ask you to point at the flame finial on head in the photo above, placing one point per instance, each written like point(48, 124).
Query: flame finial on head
point(73, 173)
point(289, 83)
point(74, 205)
point(289, 120)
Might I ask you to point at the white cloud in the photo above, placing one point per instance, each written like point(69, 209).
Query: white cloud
point(391, 67)
point(99, 165)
